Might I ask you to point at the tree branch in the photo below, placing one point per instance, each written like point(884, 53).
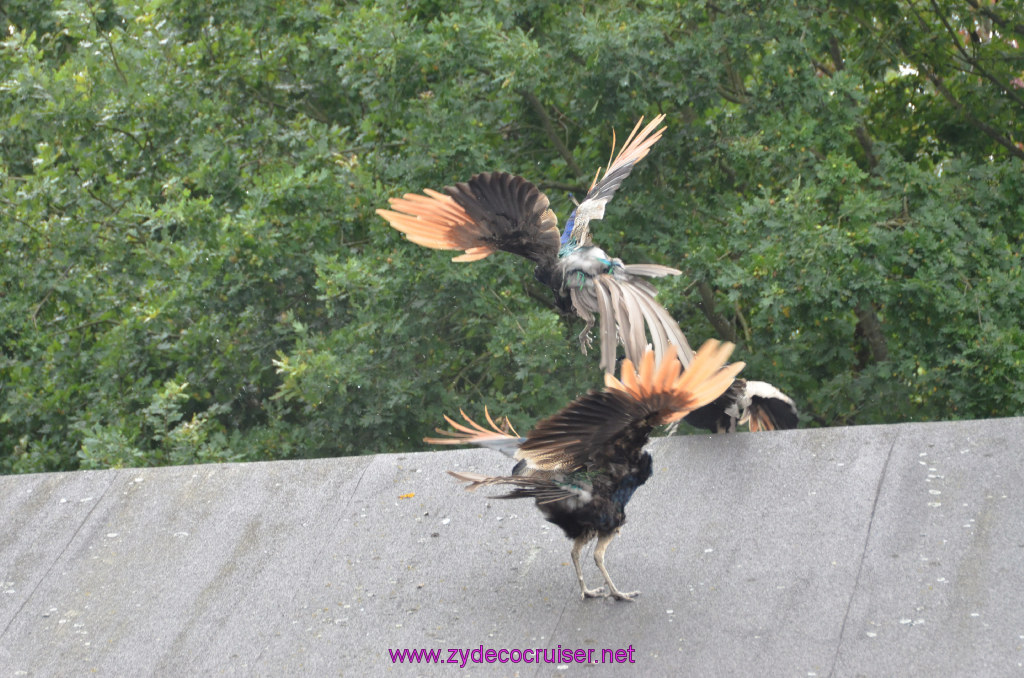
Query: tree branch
point(734, 91)
point(1005, 88)
point(723, 328)
point(988, 129)
point(866, 145)
point(861, 132)
point(996, 19)
point(871, 327)
point(941, 88)
point(549, 130)
point(747, 334)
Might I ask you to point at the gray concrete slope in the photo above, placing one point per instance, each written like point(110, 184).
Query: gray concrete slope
point(866, 551)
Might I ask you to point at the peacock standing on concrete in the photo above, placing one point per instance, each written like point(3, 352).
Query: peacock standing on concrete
point(582, 465)
point(500, 211)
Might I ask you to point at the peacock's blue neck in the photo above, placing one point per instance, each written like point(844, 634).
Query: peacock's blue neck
point(570, 223)
point(624, 492)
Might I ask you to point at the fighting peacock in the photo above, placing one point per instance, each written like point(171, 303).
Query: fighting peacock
point(583, 464)
point(500, 211)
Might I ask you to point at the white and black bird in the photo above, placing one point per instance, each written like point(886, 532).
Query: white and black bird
point(756, 404)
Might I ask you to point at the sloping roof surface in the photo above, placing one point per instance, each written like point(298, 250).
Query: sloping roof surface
point(865, 551)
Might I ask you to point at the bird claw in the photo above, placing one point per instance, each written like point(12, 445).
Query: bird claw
point(600, 592)
point(619, 595)
point(586, 341)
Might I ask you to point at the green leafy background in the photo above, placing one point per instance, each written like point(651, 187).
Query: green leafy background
point(192, 269)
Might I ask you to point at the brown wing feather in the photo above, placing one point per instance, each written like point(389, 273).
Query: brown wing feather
point(571, 438)
point(761, 421)
point(540, 487)
point(438, 222)
point(659, 392)
point(492, 211)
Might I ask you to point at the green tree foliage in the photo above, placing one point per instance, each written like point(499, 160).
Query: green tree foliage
point(192, 269)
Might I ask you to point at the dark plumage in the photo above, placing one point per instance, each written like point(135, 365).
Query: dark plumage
point(758, 404)
point(500, 211)
point(582, 465)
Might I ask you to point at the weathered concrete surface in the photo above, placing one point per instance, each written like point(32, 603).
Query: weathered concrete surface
point(868, 551)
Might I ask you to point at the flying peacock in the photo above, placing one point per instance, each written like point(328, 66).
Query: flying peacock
point(500, 211)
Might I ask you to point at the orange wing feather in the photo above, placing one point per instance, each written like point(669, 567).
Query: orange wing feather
point(436, 221)
point(673, 391)
point(474, 432)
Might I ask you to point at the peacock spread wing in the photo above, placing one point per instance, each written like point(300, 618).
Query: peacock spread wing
point(600, 429)
point(544, 486)
point(492, 211)
point(612, 425)
point(637, 145)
